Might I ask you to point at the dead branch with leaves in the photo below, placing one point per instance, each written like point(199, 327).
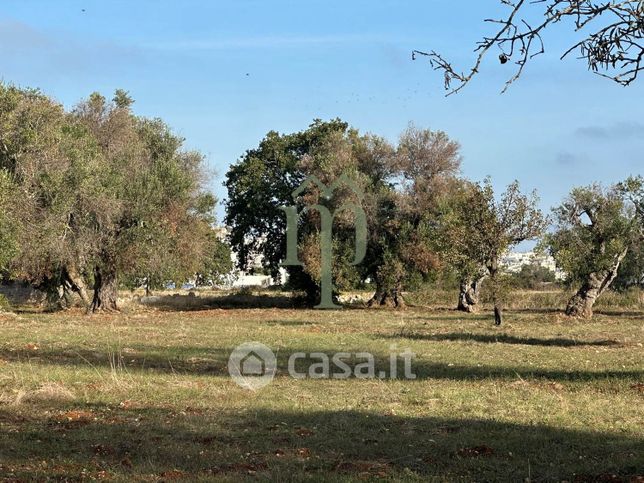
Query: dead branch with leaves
point(613, 48)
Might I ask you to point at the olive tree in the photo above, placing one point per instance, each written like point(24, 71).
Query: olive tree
point(478, 230)
point(400, 186)
point(152, 214)
point(102, 195)
point(595, 229)
point(462, 260)
point(50, 159)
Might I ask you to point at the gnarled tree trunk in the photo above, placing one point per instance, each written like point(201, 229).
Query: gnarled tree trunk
point(105, 290)
point(60, 289)
point(54, 294)
point(498, 315)
point(387, 297)
point(74, 281)
point(148, 290)
point(581, 304)
point(493, 270)
point(468, 296)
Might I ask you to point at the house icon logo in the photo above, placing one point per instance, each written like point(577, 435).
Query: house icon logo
point(252, 365)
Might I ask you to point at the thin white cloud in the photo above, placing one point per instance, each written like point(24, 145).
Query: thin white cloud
point(566, 158)
point(263, 42)
point(28, 49)
point(618, 131)
point(20, 37)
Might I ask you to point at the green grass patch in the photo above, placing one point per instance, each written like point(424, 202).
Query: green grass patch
point(145, 395)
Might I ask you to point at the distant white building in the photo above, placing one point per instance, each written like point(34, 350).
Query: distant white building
point(249, 278)
point(513, 261)
point(252, 281)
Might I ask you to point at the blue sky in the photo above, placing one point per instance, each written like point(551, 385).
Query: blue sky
point(223, 73)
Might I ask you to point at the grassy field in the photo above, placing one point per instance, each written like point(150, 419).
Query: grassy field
point(145, 395)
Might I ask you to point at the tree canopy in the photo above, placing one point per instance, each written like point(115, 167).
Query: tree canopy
point(595, 227)
point(478, 229)
point(96, 198)
point(401, 186)
point(102, 195)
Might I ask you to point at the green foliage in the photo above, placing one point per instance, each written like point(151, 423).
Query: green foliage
point(594, 227)
point(263, 181)
point(533, 276)
point(48, 159)
point(103, 194)
point(497, 290)
point(122, 99)
point(401, 186)
point(260, 183)
point(164, 233)
point(631, 271)
point(218, 265)
point(8, 223)
point(476, 229)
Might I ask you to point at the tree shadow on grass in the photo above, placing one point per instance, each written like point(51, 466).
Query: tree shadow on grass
point(458, 316)
point(562, 310)
point(176, 302)
point(213, 361)
point(489, 314)
point(619, 313)
point(287, 323)
point(93, 441)
point(510, 339)
point(535, 310)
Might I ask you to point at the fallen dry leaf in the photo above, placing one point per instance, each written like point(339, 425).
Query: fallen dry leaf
point(172, 474)
point(247, 468)
point(75, 416)
point(476, 451)
point(103, 450)
point(304, 432)
point(303, 452)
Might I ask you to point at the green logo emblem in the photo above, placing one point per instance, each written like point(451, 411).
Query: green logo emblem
point(326, 235)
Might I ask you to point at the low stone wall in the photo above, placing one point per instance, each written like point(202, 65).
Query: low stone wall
point(20, 294)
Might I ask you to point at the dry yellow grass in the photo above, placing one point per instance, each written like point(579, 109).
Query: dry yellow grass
point(145, 395)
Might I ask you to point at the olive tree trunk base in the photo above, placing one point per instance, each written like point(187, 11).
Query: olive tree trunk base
point(64, 290)
point(74, 282)
point(387, 298)
point(105, 291)
point(468, 296)
point(498, 315)
point(581, 304)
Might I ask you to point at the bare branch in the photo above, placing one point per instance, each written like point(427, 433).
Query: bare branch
point(614, 50)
